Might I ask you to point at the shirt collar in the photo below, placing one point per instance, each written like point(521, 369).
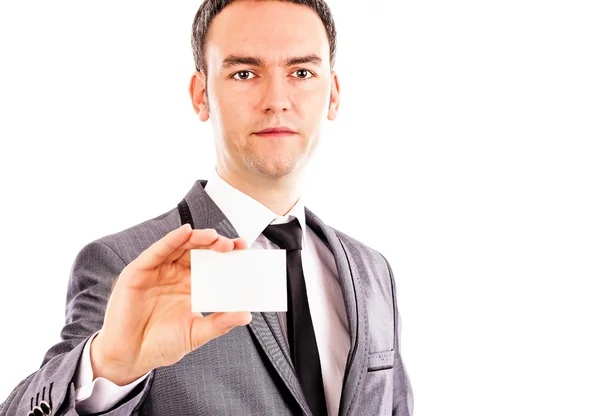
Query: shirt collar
point(248, 216)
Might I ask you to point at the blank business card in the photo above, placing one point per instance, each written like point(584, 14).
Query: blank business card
point(240, 280)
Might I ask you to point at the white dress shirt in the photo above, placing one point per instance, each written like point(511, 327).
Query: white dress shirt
point(249, 218)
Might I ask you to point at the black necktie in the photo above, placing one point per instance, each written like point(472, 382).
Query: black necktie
point(301, 335)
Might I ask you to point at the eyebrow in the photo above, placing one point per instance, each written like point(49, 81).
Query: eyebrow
point(234, 60)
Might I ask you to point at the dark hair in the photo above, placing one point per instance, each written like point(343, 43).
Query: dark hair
point(210, 8)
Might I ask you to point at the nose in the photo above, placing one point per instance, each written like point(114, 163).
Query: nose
point(275, 95)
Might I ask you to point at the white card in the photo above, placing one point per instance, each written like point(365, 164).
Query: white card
point(240, 280)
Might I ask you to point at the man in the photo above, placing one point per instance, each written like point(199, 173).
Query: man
point(131, 344)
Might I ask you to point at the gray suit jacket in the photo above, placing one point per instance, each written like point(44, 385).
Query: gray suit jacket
point(247, 371)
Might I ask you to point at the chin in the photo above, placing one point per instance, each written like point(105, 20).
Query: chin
point(277, 169)
point(276, 173)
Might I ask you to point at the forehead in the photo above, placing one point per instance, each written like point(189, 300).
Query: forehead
point(271, 30)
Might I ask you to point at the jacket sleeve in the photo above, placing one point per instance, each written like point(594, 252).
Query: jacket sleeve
point(93, 272)
point(403, 395)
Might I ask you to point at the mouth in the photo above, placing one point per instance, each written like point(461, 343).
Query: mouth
point(275, 132)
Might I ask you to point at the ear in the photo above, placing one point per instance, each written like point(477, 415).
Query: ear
point(334, 98)
point(199, 96)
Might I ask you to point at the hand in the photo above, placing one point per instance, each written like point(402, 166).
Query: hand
point(148, 321)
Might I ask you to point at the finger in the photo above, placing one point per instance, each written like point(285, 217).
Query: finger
point(199, 239)
point(156, 254)
point(204, 329)
point(240, 244)
point(227, 244)
point(221, 244)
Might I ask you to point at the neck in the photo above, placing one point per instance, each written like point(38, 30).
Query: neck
point(277, 194)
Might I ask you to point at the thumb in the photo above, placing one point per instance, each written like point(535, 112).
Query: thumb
point(206, 328)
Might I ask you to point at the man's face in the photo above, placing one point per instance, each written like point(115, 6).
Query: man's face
point(246, 96)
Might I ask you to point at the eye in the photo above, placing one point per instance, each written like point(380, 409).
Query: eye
point(304, 74)
point(243, 75)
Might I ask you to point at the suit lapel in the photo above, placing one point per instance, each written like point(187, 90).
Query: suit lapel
point(265, 325)
point(266, 328)
point(349, 280)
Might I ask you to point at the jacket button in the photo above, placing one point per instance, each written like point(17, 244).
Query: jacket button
point(37, 411)
point(45, 407)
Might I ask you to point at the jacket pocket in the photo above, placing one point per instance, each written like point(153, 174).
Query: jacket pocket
point(379, 385)
point(379, 361)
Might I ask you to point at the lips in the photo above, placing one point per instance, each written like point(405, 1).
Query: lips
point(277, 130)
point(276, 133)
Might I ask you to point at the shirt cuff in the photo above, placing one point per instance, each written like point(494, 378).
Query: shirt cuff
point(99, 395)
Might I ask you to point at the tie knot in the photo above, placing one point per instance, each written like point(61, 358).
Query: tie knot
point(287, 236)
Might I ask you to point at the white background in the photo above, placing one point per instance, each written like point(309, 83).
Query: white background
point(466, 151)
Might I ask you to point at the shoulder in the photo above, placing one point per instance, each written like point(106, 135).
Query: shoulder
point(99, 262)
point(372, 269)
point(130, 242)
point(363, 253)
